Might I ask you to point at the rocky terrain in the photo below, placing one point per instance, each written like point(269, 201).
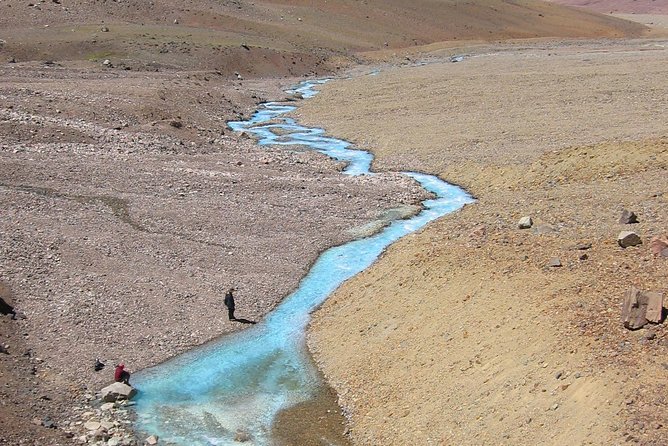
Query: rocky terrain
point(128, 206)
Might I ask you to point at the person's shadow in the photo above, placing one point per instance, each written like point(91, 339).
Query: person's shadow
point(244, 321)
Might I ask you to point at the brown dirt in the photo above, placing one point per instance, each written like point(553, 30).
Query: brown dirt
point(462, 333)
point(268, 38)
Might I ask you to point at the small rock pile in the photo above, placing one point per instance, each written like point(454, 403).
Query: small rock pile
point(106, 420)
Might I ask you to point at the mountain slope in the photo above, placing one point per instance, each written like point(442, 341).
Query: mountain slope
point(274, 37)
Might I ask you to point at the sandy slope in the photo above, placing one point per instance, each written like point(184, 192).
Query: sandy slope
point(463, 334)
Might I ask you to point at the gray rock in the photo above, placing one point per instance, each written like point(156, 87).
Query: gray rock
point(107, 406)
point(555, 262)
point(117, 392)
point(92, 425)
point(628, 238)
point(104, 29)
point(525, 223)
point(628, 218)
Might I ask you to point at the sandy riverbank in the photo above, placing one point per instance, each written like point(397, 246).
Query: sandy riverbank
point(463, 333)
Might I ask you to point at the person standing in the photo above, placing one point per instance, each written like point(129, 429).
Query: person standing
point(229, 303)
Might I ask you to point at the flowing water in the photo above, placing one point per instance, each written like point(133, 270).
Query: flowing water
point(241, 381)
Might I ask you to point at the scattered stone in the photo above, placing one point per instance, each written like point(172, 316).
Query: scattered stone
point(12, 60)
point(628, 218)
point(641, 307)
point(36, 421)
point(117, 391)
point(659, 246)
point(583, 246)
point(92, 425)
point(650, 335)
point(241, 436)
point(176, 21)
point(4, 349)
point(176, 124)
point(104, 29)
point(558, 375)
point(555, 262)
point(107, 406)
point(583, 257)
point(628, 238)
point(525, 223)
point(152, 440)
point(106, 63)
point(48, 423)
point(99, 365)
point(114, 441)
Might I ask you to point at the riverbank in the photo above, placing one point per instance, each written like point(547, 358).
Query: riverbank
point(129, 212)
point(465, 333)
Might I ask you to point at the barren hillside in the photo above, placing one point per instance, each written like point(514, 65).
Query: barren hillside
point(619, 6)
point(272, 37)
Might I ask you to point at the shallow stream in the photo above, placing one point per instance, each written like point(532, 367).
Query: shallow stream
point(239, 383)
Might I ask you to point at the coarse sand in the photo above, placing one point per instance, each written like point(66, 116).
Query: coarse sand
point(464, 333)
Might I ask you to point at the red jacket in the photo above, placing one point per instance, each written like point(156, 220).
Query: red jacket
point(119, 372)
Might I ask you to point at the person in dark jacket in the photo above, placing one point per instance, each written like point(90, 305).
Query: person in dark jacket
point(229, 303)
point(121, 375)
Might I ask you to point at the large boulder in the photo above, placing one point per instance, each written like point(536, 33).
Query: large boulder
point(117, 392)
point(641, 307)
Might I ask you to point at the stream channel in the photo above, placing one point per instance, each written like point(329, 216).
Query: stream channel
point(240, 382)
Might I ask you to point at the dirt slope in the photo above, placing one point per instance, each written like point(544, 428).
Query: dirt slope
point(272, 37)
point(619, 6)
point(463, 333)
